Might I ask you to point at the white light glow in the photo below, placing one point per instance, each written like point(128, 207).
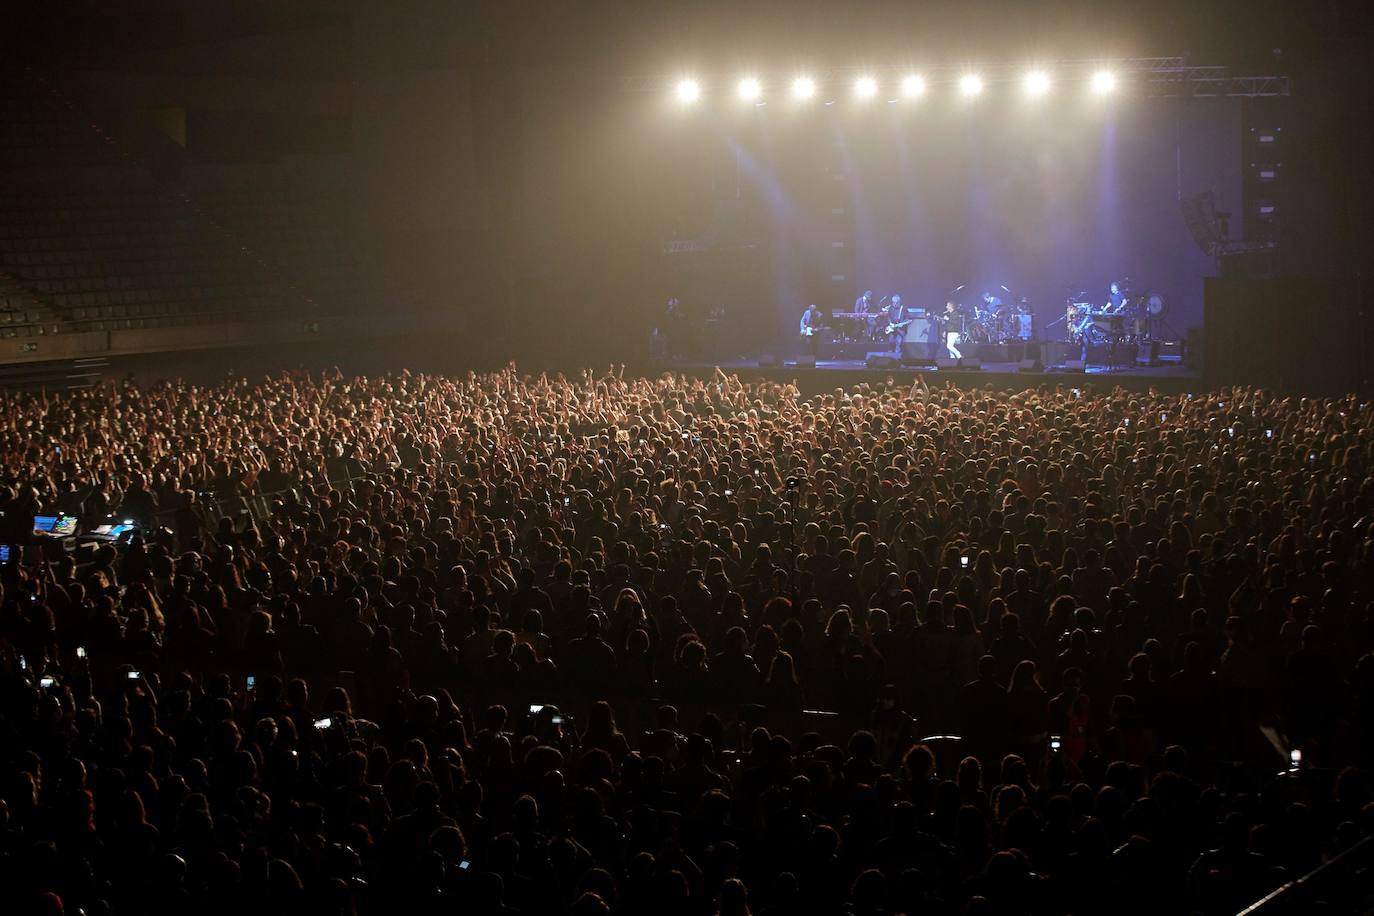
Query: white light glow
point(1103, 82)
point(1037, 82)
point(913, 86)
point(749, 89)
point(803, 87)
point(865, 87)
point(970, 84)
point(687, 91)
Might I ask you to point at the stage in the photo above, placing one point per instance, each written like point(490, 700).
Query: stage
point(1172, 375)
point(1163, 364)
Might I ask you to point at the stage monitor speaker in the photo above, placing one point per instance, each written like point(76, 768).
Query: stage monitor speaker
point(768, 361)
point(1147, 353)
point(916, 362)
point(918, 352)
point(806, 361)
point(1059, 352)
point(946, 362)
point(1030, 365)
point(881, 361)
point(970, 362)
point(993, 353)
point(1073, 365)
point(918, 332)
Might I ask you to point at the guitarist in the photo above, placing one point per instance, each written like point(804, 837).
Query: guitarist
point(896, 322)
point(810, 324)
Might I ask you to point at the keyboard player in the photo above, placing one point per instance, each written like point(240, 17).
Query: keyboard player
point(866, 312)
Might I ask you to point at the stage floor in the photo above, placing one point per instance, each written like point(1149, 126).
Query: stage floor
point(1168, 375)
point(1166, 369)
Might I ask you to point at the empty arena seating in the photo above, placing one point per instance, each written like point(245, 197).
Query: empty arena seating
point(90, 240)
point(296, 219)
point(42, 128)
point(21, 315)
point(127, 258)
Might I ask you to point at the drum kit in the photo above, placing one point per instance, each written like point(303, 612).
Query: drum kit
point(1002, 324)
point(991, 320)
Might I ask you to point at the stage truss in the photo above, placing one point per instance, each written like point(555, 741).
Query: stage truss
point(1152, 77)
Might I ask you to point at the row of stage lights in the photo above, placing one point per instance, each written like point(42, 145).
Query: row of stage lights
point(1035, 83)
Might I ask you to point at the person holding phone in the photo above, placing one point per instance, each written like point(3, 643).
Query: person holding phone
point(1068, 715)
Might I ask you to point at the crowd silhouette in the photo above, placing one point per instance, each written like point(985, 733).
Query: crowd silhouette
point(600, 644)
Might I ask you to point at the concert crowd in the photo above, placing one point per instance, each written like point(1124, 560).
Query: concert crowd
point(600, 644)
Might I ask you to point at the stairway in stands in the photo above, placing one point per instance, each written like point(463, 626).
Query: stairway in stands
point(54, 375)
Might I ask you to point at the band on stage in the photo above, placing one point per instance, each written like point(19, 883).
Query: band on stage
point(956, 329)
point(948, 331)
point(891, 322)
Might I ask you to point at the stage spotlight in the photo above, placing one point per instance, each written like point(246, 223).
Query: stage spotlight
point(913, 86)
point(865, 87)
point(1103, 82)
point(803, 87)
point(687, 91)
point(749, 89)
point(970, 84)
point(1037, 82)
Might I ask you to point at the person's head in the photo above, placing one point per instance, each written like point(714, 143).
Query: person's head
point(1024, 676)
point(889, 698)
point(783, 670)
point(1139, 667)
point(840, 625)
point(970, 775)
point(868, 893)
point(734, 898)
point(736, 641)
point(601, 719)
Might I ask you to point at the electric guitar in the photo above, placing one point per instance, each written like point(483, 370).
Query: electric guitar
point(894, 326)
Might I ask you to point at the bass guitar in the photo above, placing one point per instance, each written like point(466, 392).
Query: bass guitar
point(894, 326)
